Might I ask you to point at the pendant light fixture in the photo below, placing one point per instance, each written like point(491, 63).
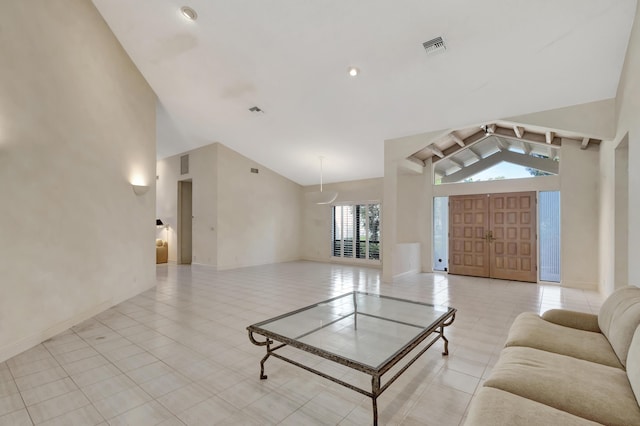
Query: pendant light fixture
point(322, 197)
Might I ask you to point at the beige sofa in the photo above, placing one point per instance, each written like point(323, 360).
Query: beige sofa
point(567, 368)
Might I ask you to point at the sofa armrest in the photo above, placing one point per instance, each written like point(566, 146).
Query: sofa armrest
point(573, 319)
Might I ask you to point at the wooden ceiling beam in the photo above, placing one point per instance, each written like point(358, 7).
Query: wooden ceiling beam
point(535, 138)
point(514, 133)
point(519, 131)
point(457, 139)
point(549, 137)
point(436, 151)
point(471, 140)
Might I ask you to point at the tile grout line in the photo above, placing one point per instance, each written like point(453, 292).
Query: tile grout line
point(74, 382)
point(21, 397)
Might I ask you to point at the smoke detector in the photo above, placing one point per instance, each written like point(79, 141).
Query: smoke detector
point(434, 46)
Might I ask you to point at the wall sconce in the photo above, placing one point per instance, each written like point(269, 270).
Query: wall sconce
point(159, 223)
point(140, 189)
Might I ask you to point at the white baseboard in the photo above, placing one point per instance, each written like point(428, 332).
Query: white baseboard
point(582, 285)
point(248, 265)
point(410, 272)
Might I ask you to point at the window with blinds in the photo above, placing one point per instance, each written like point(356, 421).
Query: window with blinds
point(356, 231)
point(549, 236)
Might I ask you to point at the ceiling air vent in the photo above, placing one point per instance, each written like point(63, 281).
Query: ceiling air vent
point(434, 46)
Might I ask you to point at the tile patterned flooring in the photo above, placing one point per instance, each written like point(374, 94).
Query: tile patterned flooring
point(179, 354)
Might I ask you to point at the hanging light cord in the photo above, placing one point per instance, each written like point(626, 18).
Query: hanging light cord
point(320, 174)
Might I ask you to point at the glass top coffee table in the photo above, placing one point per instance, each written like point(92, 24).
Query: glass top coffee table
point(367, 332)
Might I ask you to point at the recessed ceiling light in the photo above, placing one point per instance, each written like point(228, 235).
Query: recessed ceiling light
point(189, 13)
point(353, 71)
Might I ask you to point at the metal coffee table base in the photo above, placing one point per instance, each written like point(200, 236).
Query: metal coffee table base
point(376, 375)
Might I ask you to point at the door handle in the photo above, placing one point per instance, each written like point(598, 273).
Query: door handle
point(489, 237)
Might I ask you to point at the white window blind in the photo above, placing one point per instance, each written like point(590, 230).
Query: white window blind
point(549, 222)
point(356, 231)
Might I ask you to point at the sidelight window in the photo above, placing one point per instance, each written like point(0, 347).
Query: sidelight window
point(549, 222)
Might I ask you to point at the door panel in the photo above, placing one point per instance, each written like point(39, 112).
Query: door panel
point(185, 222)
point(468, 224)
point(493, 235)
point(513, 225)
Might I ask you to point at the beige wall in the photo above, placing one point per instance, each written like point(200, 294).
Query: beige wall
point(239, 218)
point(606, 225)
point(259, 215)
point(614, 221)
point(77, 124)
point(390, 214)
point(621, 216)
point(595, 119)
point(316, 218)
point(628, 125)
point(414, 224)
point(579, 206)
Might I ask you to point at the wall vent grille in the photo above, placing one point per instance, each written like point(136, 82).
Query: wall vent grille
point(184, 164)
point(434, 46)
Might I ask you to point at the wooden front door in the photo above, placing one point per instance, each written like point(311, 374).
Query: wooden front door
point(468, 227)
point(513, 227)
point(507, 247)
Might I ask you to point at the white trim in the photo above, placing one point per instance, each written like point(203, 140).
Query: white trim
point(356, 261)
point(410, 272)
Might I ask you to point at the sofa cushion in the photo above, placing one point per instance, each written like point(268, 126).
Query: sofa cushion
point(531, 331)
point(633, 364)
point(585, 389)
point(618, 318)
point(491, 407)
point(572, 319)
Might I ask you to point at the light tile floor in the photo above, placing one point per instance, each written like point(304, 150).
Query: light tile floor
point(179, 353)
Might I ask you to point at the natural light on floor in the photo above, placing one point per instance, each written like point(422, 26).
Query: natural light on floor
point(180, 354)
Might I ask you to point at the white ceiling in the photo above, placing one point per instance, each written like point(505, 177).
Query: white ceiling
point(290, 58)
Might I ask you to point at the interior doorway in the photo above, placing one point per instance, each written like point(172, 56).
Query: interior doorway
point(494, 236)
point(185, 221)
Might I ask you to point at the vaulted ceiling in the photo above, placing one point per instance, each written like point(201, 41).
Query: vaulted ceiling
point(465, 152)
point(290, 58)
